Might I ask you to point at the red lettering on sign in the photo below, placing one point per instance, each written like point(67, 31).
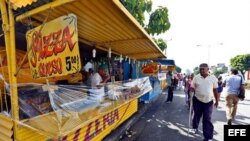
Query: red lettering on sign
point(67, 38)
point(113, 116)
point(49, 68)
point(88, 136)
point(77, 133)
point(47, 45)
point(36, 45)
point(97, 126)
point(116, 114)
point(56, 42)
point(108, 120)
point(64, 138)
point(105, 120)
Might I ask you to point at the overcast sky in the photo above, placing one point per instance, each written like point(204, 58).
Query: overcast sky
point(224, 25)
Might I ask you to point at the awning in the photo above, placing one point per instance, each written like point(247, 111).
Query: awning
point(104, 23)
point(167, 62)
point(21, 3)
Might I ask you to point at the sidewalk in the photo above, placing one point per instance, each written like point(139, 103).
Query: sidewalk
point(169, 121)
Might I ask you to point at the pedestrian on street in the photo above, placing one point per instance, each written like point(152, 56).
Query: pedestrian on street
point(232, 83)
point(220, 86)
point(186, 86)
point(170, 84)
point(188, 89)
point(205, 86)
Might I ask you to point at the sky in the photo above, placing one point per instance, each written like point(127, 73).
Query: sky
point(209, 31)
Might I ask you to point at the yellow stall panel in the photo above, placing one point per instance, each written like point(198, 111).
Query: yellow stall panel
point(27, 134)
point(100, 127)
point(95, 130)
point(6, 126)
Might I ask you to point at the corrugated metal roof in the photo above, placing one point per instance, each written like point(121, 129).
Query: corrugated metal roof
point(107, 24)
point(21, 3)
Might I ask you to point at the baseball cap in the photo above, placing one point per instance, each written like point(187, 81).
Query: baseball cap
point(203, 65)
point(103, 66)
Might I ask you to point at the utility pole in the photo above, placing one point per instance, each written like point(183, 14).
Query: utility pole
point(208, 51)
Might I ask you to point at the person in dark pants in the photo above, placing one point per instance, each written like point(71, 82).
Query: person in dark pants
point(205, 86)
point(170, 84)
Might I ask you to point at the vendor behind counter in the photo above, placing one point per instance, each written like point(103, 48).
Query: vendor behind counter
point(102, 76)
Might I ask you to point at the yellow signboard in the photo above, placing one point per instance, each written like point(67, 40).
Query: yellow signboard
point(53, 48)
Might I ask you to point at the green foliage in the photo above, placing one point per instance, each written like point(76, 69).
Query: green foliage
point(178, 69)
point(158, 22)
point(161, 43)
point(137, 8)
point(196, 70)
point(219, 71)
point(241, 62)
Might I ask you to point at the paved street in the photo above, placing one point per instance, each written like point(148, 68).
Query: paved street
point(169, 121)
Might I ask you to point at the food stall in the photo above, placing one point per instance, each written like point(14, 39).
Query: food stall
point(166, 65)
point(151, 70)
point(156, 70)
point(54, 32)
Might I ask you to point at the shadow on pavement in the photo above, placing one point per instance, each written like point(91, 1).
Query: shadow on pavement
point(164, 122)
point(170, 121)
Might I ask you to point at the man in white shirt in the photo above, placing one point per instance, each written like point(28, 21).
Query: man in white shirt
point(205, 87)
point(101, 77)
point(96, 79)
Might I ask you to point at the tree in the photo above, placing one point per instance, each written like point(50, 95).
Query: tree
point(241, 62)
point(161, 43)
point(137, 8)
point(196, 70)
point(178, 69)
point(219, 71)
point(158, 22)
